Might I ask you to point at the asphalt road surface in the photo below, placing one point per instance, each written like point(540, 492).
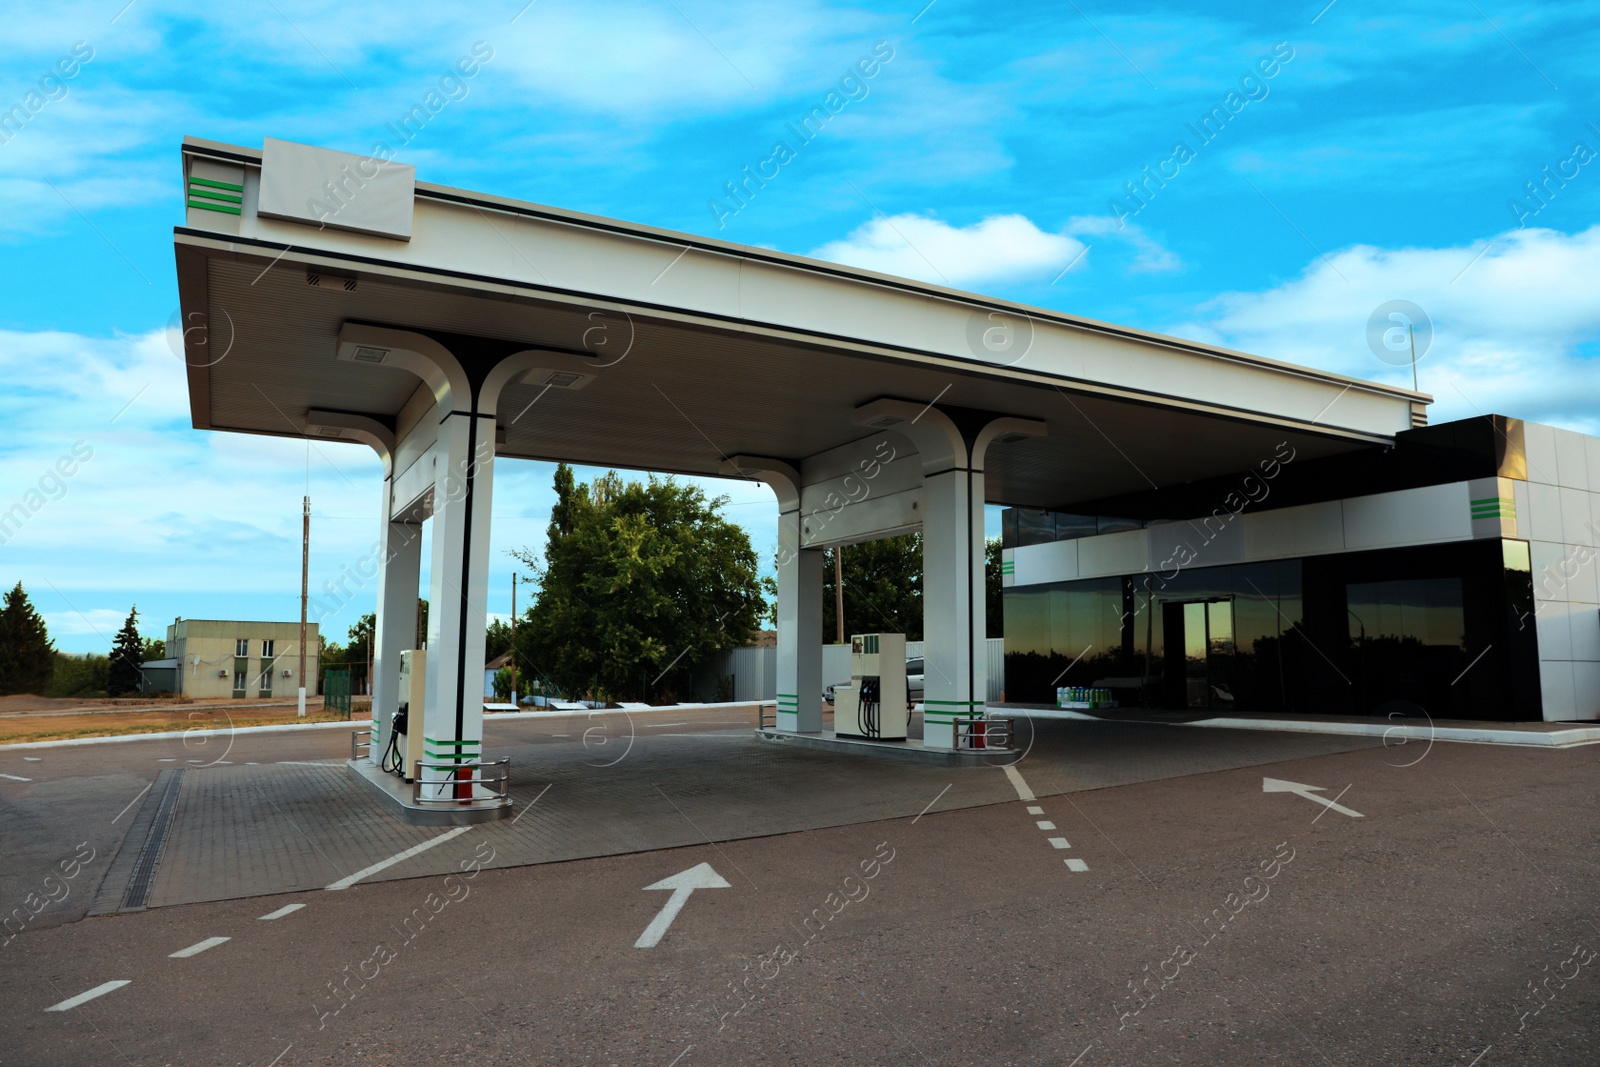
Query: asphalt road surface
point(1436, 906)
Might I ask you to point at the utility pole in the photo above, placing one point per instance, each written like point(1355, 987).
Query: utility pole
point(838, 590)
point(305, 583)
point(514, 637)
point(1411, 334)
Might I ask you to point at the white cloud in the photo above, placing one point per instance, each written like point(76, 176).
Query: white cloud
point(1001, 248)
point(207, 525)
point(1149, 256)
point(1510, 330)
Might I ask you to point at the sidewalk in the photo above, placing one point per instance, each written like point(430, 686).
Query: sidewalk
point(1538, 734)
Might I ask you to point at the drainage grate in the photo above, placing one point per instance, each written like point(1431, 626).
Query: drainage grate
point(144, 868)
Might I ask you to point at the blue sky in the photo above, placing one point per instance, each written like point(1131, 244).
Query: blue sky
point(1368, 153)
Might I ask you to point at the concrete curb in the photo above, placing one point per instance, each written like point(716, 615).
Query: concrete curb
point(355, 724)
point(943, 757)
point(169, 734)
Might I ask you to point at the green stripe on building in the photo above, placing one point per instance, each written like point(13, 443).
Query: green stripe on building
point(224, 208)
point(215, 184)
point(207, 194)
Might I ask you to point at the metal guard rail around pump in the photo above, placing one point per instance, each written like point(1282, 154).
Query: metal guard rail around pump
point(987, 733)
point(498, 786)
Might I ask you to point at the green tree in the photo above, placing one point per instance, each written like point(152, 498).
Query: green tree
point(78, 676)
point(359, 637)
point(26, 655)
point(126, 649)
point(637, 582)
point(502, 684)
point(154, 648)
point(331, 654)
point(882, 588)
point(496, 640)
point(993, 592)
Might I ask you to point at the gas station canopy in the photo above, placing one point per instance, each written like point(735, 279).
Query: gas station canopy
point(672, 352)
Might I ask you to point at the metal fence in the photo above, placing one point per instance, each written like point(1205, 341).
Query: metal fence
point(336, 691)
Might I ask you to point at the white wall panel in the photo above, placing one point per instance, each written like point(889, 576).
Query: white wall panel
point(1574, 515)
point(1118, 553)
point(1054, 562)
point(1555, 632)
point(1572, 467)
point(1309, 530)
point(1544, 512)
point(1584, 621)
point(1586, 690)
point(1409, 517)
point(1540, 444)
point(1555, 684)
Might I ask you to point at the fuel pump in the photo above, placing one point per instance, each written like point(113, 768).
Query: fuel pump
point(404, 749)
point(874, 706)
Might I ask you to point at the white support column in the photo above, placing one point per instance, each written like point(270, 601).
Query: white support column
point(799, 631)
point(395, 629)
point(952, 604)
point(799, 657)
point(399, 564)
point(955, 654)
point(458, 597)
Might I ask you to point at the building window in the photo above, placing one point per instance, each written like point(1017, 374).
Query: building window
point(266, 649)
point(266, 681)
point(239, 682)
point(241, 647)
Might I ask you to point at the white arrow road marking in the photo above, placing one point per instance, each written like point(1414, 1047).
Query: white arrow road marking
point(198, 947)
point(88, 995)
point(682, 884)
point(287, 909)
point(1277, 785)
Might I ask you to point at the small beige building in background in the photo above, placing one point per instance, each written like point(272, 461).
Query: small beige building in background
point(222, 658)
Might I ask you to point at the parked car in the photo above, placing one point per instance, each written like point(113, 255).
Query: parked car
point(914, 690)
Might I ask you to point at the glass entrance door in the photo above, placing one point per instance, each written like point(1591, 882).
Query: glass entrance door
point(1200, 648)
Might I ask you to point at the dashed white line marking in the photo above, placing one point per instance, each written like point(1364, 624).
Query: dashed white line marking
point(287, 909)
point(168, 759)
point(16, 777)
point(1023, 792)
point(197, 948)
point(1076, 865)
point(1035, 811)
point(31, 759)
point(1060, 842)
point(88, 995)
point(347, 882)
point(662, 725)
point(1045, 824)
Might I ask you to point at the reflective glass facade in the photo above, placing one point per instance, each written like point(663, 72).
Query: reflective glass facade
point(1441, 629)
